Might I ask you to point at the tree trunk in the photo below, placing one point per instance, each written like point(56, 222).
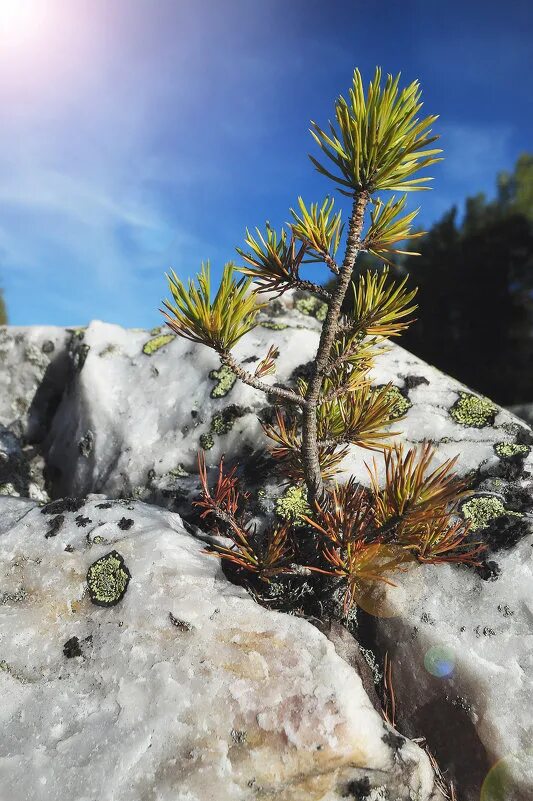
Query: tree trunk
point(311, 465)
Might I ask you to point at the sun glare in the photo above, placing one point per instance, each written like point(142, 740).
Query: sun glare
point(20, 21)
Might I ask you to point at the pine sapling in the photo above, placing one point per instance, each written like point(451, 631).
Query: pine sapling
point(377, 143)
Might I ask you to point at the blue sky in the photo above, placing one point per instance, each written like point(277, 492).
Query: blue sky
point(139, 135)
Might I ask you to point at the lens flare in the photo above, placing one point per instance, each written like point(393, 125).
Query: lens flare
point(439, 660)
point(511, 777)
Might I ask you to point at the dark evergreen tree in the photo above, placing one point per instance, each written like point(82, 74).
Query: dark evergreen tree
point(475, 279)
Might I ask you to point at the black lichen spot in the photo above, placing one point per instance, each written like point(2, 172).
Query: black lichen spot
point(105, 505)
point(82, 521)
point(96, 540)
point(222, 422)
point(72, 648)
point(413, 381)
point(304, 371)
point(506, 531)
point(108, 579)
point(62, 505)
point(393, 740)
point(488, 570)
point(55, 525)
point(125, 523)
point(48, 346)
point(425, 617)
point(358, 789)
point(182, 625)
point(250, 359)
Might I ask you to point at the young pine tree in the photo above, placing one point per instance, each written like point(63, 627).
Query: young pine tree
point(376, 144)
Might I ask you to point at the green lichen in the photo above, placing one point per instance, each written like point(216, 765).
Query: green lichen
point(225, 380)
point(272, 326)
point(293, 504)
point(506, 450)
point(155, 331)
point(400, 404)
point(480, 511)
point(9, 489)
point(156, 343)
point(206, 441)
point(313, 307)
point(472, 411)
point(223, 422)
point(178, 472)
point(108, 579)
point(220, 426)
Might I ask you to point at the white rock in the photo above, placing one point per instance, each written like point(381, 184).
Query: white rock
point(130, 424)
point(27, 355)
point(129, 419)
point(462, 650)
point(184, 690)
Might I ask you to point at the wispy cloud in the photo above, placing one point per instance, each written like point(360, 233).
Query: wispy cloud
point(141, 136)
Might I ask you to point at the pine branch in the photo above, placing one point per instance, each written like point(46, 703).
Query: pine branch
point(281, 394)
point(309, 286)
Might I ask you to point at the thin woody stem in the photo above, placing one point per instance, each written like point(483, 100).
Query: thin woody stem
point(345, 387)
point(311, 287)
point(280, 393)
point(330, 262)
point(311, 464)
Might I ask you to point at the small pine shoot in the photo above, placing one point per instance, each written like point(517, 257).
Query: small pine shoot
point(377, 142)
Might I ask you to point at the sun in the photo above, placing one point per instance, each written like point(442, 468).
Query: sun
point(20, 21)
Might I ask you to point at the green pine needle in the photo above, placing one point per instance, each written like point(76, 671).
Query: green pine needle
point(379, 142)
point(319, 228)
point(217, 323)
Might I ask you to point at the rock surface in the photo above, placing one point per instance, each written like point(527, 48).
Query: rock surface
point(524, 411)
point(136, 406)
point(123, 412)
point(462, 653)
point(131, 669)
point(33, 370)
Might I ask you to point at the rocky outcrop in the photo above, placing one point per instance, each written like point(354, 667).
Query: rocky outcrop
point(132, 669)
point(124, 412)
